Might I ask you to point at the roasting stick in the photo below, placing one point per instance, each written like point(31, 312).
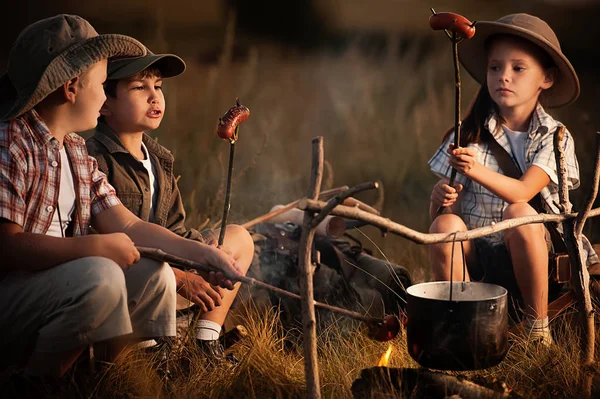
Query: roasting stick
point(175, 261)
point(457, 28)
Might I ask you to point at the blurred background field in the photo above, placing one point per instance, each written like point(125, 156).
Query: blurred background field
point(370, 77)
point(377, 83)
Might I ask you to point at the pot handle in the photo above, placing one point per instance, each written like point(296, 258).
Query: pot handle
point(464, 259)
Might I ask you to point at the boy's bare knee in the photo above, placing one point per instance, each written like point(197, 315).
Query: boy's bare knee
point(447, 223)
point(241, 241)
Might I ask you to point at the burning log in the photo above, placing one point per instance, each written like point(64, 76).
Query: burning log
point(384, 382)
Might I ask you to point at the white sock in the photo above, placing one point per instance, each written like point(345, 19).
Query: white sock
point(538, 328)
point(207, 330)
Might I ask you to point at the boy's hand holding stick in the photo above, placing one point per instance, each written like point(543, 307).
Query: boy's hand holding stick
point(457, 28)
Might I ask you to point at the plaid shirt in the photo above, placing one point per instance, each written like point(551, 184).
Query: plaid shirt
point(480, 207)
point(30, 176)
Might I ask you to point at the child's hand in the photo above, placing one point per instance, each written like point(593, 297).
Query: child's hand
point(443, 194)
point(196, 289)
point(117, 247)
point(222, 259)
point(462, 159)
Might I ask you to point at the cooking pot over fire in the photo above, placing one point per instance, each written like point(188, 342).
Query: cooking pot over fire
point(457, 325)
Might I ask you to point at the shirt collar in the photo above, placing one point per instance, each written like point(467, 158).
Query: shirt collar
point(541, 123)
point(106, 135)
point(40, 131)
point(109, 139)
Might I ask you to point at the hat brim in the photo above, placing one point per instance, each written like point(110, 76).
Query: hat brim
point(69, 64)
point(169, 66)
point(473, 57)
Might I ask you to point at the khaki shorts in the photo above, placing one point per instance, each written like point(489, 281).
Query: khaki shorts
point(85, 301)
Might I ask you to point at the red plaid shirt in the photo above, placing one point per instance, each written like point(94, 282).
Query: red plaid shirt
point(30, 176)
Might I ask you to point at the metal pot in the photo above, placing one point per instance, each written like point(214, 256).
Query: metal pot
point(467, 332)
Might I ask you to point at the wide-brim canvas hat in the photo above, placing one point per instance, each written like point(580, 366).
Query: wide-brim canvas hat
point(169, 65)
point(473, 56)
point(49, 53)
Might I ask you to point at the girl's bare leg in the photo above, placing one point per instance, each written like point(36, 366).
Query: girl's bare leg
point(529, 254)
point(441, 254)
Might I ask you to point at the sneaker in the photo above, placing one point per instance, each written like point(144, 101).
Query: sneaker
point(543, 338)
point(214, 351)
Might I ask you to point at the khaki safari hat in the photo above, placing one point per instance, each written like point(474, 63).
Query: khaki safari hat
point(473, 55)
point(49, 53)
point(169, 65)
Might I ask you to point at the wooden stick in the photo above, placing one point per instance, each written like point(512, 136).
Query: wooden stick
point(457, 121)
point(338, 199)
point(175, 261)
point(325, 195)
point(434, 238)
point(361, 205)
point(580, 277)
point(561, 169)
point(591, 197)
point(305, 267)
point(227, 203)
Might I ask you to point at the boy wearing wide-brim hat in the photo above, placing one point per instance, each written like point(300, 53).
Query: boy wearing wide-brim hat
point(141, 171)
point(62, 289)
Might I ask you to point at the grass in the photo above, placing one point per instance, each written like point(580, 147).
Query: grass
point(381, 119)
point(268, 367)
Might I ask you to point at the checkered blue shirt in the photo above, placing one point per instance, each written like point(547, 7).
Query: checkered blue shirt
point(480, 207)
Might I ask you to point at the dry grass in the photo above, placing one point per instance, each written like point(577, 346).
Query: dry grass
point(381, 119)
point(268, 367)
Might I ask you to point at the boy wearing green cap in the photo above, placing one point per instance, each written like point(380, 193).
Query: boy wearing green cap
point(62, 289)
point(141, 171)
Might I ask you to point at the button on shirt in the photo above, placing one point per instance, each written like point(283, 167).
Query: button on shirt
point(480, 207)
point(66, 198)
point(29, 183)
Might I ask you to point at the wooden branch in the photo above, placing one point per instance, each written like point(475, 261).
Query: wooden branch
point(338, 199)
point(561, 169)
point(176, 261)
point(309, 323)
point(579, 273)
point(384, 382)
point(325, 195)
point(591, 197)
point(360, 205)
point(436, 238)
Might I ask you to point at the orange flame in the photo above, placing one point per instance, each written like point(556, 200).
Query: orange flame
point(385, 358)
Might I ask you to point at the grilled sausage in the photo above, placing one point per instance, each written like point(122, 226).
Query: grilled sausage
point(454, 23)
point(231, 120)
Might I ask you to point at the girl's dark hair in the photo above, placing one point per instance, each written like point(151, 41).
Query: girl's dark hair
point(474, 123)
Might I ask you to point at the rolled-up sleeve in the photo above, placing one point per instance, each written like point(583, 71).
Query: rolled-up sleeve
point(545, 159)
point(103, 194)
point(13, 188)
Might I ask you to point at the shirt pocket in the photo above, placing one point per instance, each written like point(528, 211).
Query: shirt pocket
point(132, 201)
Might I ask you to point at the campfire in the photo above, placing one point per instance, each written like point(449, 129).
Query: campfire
point(387, 382)
point(385, 358)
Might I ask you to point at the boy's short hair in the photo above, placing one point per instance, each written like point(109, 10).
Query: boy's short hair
point(49, 53)
point(110, 86)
